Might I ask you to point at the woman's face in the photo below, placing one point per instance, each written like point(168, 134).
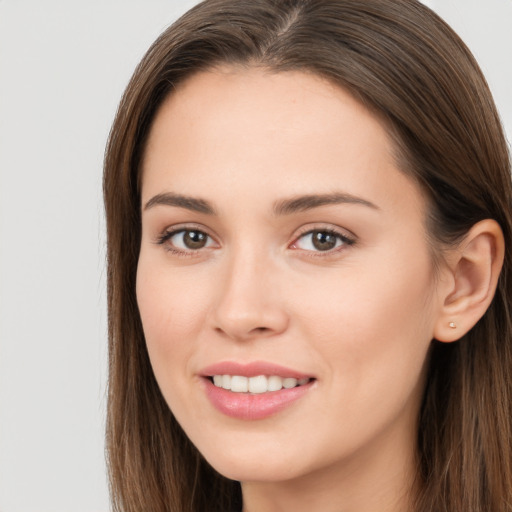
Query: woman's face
point(281, 242)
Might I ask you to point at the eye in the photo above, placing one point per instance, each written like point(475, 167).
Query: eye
point(321, 240)
point(185, 240)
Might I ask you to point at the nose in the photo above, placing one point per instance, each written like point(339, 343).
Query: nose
point(249, 303)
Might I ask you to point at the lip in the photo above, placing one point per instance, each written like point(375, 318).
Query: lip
point(246, 406)
point(252, 369)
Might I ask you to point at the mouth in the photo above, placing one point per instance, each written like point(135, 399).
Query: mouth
point(258, 384)
point(255, 390)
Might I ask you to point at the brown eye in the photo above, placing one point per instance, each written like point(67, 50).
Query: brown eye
point(194, 239)
point(185, 240)
point(323, 241)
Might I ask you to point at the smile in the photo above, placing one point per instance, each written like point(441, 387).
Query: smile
point(255, 390)
point(258, 384)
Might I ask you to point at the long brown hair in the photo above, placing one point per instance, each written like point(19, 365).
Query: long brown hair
point(406, 64)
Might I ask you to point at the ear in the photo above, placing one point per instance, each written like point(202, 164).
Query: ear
point(474, 267)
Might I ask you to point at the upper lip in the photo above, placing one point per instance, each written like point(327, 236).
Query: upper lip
point(251, 369)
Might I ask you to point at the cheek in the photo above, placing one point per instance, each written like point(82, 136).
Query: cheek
point(371, 338)
point(173, 308)
point(377, 296)
point(373, 326)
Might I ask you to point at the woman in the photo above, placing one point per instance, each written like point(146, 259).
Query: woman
point(308, 210)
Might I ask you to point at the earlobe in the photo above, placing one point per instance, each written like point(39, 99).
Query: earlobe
point(475, 265)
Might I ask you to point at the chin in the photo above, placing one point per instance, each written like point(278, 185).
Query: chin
point(255, 470)
point(270, 460)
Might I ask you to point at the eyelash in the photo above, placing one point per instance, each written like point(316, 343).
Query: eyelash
point(345, 241)
point(168, 234)
point(342, 238)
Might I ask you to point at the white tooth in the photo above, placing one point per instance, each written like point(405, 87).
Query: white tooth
point(226, 381)
point(217, 380)
point(275, 383)
point(289, 382)
point(239, 384)
point(258, 384)
point(301, 382)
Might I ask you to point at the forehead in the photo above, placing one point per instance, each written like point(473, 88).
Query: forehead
point(260, 98)
point(251, 131)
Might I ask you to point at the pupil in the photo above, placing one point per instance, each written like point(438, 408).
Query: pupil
point(323, 241)
point(194, 239)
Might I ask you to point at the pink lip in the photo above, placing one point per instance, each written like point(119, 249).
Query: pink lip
point(246, 406)
point(252, 369)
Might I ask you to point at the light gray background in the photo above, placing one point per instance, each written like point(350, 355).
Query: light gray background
point(63, 67)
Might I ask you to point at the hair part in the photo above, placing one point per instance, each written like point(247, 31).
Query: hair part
point(403, 62)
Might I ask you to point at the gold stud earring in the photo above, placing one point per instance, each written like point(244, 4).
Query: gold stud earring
point(453, 325)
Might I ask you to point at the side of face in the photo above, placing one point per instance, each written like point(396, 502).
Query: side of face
point(278, 230)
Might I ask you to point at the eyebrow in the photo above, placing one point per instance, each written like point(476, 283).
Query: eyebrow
point(282, 207)
point(308, 202)
point(180, 201)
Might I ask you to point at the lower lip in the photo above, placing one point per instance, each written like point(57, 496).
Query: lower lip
point(245, 406)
